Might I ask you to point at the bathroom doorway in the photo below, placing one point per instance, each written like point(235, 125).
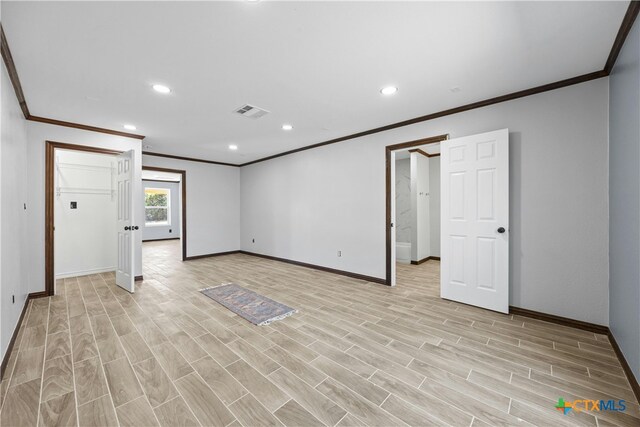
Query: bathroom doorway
point(413, 205)
point(474, 216)
point(418, 205)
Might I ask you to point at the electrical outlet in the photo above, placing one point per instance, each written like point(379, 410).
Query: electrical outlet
point(339, 254)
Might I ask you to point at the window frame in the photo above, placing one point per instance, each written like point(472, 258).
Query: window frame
point(166, 223)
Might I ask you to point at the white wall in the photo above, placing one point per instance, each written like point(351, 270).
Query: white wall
point(14, 265)
point(403, 201)
point(171, 231)
point(38, 133)
point(434, 204)
point(213, 204)
point(308, 205)
point(421, 235)
point(85, 237)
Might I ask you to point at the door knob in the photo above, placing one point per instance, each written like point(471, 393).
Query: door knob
point(127, 228)
point(135, 227)
point(501, 230)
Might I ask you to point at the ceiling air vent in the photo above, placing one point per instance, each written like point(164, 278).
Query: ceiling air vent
point(251, 111)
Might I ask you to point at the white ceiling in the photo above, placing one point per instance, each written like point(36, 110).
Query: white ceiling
point(316, 65)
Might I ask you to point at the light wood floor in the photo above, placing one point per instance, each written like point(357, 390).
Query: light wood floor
point(356, 354)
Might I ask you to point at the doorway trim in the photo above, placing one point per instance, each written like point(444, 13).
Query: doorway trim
point(183, 184)
point(49, 235)
point(387, 154)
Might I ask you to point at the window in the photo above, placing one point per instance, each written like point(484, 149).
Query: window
point(157, 202)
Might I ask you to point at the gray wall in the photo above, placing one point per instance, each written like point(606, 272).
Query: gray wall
point(308, 205)
point(624, 199)
point(14, 264)
point(213, 204)
point(169, 231)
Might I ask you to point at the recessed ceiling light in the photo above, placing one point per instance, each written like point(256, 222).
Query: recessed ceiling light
point(389, 90)
point(287, 127)
point(233, 147)
point(161, 88)
point(129, 127)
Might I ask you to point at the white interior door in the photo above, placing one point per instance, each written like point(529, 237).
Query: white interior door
point(124, 271)
point(475, 220)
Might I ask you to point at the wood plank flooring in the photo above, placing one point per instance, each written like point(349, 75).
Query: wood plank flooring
point(356, 353)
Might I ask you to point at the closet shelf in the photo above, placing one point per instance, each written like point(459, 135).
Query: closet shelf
point(98, 191)
point(60, 166)
point(78, 166)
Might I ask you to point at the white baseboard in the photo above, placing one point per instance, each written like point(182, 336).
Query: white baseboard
point(85, 272)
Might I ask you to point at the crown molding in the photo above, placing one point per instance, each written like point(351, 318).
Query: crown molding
point(623, 32)
point(13, 74)
point(189, 159)
point(83, 127)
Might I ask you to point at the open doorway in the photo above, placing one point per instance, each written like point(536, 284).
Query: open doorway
point(474, 216)
point(164, 232)
point(413, 203)
point(84, 213)
point(80, 206)
point(418, 204)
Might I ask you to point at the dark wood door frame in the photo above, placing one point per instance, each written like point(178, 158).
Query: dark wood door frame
point(183, 184)
point(49, 236)
point(388, 150)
